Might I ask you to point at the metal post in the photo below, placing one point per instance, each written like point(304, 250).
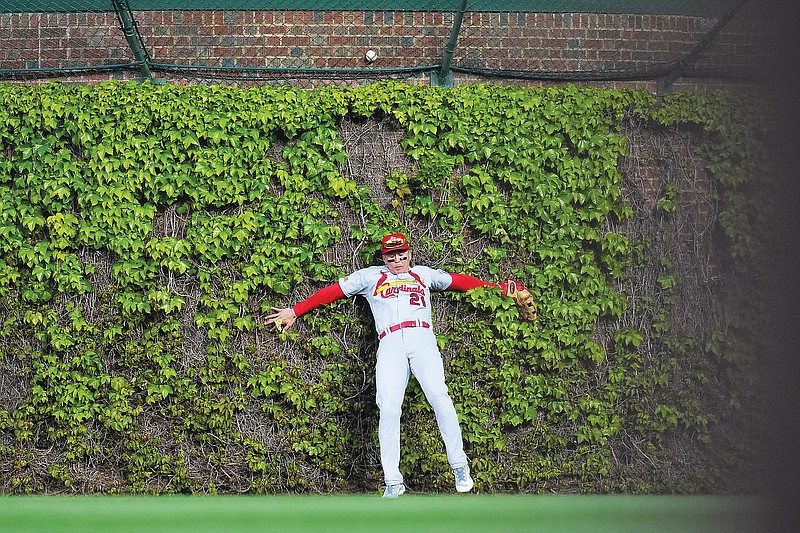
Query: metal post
point(444, 78)
point(664, 84)
point(132, 36)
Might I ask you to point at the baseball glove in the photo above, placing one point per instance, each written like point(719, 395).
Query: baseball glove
point(522, 298)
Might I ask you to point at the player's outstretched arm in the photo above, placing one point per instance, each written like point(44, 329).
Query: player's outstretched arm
point(463, 283)
point(284, 317)
point(515, 290)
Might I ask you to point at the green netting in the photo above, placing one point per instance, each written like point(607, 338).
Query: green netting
point(684, 7)
point(316, 42)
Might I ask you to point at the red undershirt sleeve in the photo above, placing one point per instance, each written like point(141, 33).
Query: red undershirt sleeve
point(324, 296)
point(462, 282)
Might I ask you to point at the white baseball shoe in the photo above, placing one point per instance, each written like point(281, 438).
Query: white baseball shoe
point(464, 481)
point(393, 491)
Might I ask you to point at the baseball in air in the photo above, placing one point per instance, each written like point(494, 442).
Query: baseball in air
point(371, 56)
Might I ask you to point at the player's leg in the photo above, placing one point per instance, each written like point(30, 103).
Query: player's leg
point(427, 366)
point(391, 378)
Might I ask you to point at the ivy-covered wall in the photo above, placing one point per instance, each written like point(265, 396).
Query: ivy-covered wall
point(145, 231)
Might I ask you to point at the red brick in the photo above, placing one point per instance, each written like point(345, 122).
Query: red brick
point(534, 40)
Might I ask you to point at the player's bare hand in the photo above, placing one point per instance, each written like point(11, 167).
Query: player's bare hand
point(282, 319)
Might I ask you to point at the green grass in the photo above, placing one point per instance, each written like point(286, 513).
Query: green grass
point(353, 514)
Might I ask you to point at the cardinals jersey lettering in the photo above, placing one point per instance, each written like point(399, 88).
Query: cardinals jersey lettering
point(395, 298)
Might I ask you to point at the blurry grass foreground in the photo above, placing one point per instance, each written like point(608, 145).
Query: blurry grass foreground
point(356, 513)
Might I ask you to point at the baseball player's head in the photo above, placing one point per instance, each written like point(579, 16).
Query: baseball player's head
point(396, 253)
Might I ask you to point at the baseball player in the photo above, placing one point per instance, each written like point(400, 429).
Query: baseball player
point(399, 297)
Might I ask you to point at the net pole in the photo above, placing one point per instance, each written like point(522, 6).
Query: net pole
point(444, 77)
point(665, 83)
point(133, 38)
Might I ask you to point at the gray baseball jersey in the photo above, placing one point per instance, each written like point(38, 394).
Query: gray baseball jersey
point(396, 298)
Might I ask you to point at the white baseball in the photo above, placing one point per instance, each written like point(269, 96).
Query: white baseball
point(371, 55)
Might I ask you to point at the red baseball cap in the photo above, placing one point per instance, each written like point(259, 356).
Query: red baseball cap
point(394, 242)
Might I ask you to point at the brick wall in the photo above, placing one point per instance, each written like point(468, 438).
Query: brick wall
point(574, 46)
